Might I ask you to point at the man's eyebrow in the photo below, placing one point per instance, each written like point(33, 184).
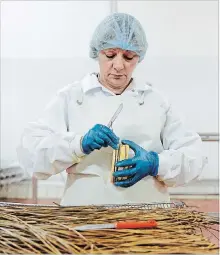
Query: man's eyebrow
point(125, 52)
point(110, 50)
point(130, 52)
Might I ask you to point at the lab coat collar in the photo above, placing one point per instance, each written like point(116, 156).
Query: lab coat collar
point(90, 82)
point(138, 84)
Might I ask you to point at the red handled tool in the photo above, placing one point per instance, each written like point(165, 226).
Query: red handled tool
point(119, 225)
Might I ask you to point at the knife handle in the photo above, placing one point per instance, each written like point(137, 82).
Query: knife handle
point(135, 224)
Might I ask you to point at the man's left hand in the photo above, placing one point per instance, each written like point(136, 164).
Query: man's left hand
point(144, 163)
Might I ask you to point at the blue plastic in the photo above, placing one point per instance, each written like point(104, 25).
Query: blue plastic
point(119, 30)
point(97, 137)
point(144, 163)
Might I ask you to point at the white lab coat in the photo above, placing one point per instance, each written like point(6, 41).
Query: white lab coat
point(52, 144)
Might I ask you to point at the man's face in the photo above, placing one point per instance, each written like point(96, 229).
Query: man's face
point(117, 66)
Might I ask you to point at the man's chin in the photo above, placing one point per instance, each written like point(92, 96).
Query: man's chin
point(118, 82)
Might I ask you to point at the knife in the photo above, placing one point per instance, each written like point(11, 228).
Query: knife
point(119, 225)
point(115, 115)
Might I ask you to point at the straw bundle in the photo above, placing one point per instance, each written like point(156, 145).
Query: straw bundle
point(39, 229)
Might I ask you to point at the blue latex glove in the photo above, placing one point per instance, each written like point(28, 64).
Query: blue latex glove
point(97, 137)
point(144, 163)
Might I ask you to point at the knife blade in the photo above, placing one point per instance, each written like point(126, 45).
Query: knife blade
point(119, 225)
point(114, 117)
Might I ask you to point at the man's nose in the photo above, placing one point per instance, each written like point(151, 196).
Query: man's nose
point(118, 63)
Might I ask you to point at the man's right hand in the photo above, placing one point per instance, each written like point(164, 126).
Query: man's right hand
point(97, 137)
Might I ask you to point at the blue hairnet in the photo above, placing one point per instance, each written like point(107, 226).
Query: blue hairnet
point(119, 30)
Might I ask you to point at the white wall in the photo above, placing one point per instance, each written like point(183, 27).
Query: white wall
point(44, 46)
point(49, 29)
point(182, 59)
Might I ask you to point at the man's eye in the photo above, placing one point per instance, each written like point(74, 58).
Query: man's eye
point(128, 58)
point(110, 56)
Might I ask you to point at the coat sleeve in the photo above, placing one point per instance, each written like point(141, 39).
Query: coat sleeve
point(46, 147)
point(182, 159)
